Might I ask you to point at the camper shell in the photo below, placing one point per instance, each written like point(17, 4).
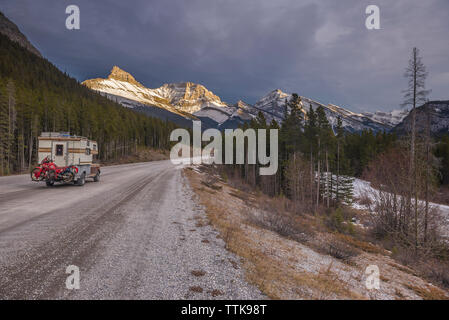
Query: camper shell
point(70, 150)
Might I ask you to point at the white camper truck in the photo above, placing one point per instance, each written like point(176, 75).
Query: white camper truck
point(69, 150)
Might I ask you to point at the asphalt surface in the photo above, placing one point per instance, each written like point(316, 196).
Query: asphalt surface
point(133, 235)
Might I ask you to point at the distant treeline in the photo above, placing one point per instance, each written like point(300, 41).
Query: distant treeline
point(317, 163)
point(35, 96)
point(309, 146)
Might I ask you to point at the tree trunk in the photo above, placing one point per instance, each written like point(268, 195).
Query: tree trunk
point(311, 178)
point(319, 175)
point(327, 179)
point(337, 195)
point(30, 147)
point(413, 176)
point(426, 213)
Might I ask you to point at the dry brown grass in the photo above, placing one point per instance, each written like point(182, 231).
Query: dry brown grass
point(277, 279)
point(362, 245)
point(399, 294)
point(404, 269)
point(331, 286)
point(341, 251)
point(285, 267)
point(240, 195)
point(428, 293)
point(211, 182)
point(200, 221)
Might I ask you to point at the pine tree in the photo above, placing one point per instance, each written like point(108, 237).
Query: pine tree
point(324, 134)
point(4, 126)
point(12, 116)
point(261, 121)
point(346, 190)
point(35, 96)
point(292, 125)
point(311, 135)
point(340, 136)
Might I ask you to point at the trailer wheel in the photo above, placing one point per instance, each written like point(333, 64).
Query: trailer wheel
point(97, 177)
point(50, 183)
point(82, 180)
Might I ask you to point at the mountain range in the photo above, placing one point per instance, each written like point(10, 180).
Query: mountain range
point(432, 116)
point(183, 102)
point(187, 101)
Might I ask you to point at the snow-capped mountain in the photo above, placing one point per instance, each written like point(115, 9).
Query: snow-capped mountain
point(392, 118)
point(274, 106)
point(435, 111)
point(182, 98)
point(189, 101)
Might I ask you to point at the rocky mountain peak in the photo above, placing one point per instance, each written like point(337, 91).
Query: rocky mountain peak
point(122, 75)
point(188, 94)
point(437, 112)
point(183, 97)
point(242, 104)
point(279, 93)
point(190, 100)
point(9, 29)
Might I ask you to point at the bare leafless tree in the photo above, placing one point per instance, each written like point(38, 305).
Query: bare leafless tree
point(299, 181)
point(414, 95)
point(390, 209)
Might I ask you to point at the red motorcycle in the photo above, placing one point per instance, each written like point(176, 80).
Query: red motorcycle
point(49, 172)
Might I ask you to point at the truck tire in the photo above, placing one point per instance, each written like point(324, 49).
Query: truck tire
point(97, 177)
point(81, 180)
point(50, 183)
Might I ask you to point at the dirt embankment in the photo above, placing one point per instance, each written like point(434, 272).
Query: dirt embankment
point(293, 256)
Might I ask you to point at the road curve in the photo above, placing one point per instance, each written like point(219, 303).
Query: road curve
point(133, 235)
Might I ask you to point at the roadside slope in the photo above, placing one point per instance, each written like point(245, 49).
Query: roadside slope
point(294, 256)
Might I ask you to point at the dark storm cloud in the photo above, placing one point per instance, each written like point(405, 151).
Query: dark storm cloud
point(244, 49)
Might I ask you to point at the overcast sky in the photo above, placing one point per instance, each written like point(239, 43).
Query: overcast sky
point(242, 49)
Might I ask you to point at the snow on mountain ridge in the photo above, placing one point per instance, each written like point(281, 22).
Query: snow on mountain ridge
point(192, 101)
point(185, 97)
point(435, 113)
point(274, 104)
point(391, 118)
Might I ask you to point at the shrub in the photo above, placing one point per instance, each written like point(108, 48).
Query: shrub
point(283, 224)
point(338, 221)
point(341, 251)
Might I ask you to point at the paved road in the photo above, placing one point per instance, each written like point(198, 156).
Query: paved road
point(133, 235)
